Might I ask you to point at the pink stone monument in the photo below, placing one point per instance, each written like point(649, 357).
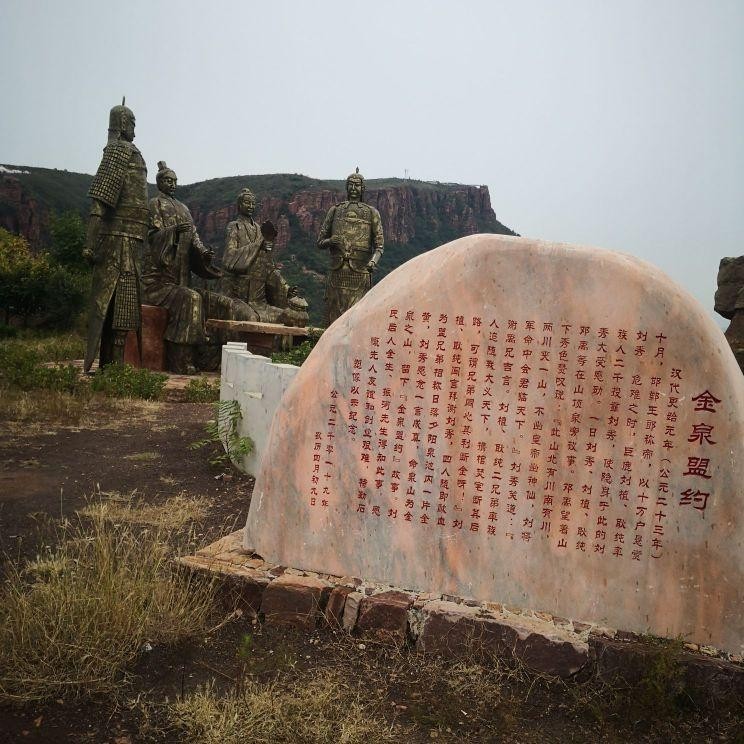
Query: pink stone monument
point(543, 425)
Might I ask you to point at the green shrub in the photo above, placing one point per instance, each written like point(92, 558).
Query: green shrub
point(223, 438)
point(8, 331)
point(21, 368)
point(297, 354)
point(202, 390)
point(125, 381)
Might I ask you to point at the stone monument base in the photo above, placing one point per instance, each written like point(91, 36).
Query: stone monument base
point(447, 625)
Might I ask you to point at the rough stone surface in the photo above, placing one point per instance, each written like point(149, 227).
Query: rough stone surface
point(384, 616)
point(258, 385)
point(351, 610)
point(295, 600)
point(705, 679)
point(541, 425)
point(459, 630)
point(334, 610)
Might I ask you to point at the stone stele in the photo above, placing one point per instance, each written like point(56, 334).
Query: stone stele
point(537, 424)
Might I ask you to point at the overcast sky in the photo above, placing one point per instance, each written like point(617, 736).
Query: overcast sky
point(617, 124)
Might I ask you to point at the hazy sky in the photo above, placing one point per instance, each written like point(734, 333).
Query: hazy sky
point(617, 123)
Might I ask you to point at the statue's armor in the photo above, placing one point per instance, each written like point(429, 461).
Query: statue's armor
point(352, 224)
point(121, 184)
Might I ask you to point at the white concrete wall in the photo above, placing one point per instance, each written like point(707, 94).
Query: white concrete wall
point(258, 385)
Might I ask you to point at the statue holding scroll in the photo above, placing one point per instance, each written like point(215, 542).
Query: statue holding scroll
point(249, 272)
point(117, 229)
point(352, 232)
point(175, 251)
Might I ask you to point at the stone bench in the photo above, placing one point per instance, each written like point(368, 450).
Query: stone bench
point(262, 338)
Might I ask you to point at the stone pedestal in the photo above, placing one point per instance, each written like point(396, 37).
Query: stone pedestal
point(154, 321)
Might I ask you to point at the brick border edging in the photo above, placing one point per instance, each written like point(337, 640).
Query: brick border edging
point(447, 625)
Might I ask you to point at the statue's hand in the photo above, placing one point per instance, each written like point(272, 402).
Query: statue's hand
point(371, 266)
point(208, 255)
point(293, 291)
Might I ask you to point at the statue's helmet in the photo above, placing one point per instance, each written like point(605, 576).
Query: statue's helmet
point(356, 176)
point(119, 118)
point(163, 171)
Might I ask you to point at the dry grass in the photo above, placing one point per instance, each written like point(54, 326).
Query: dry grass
point(172, 514)
point(143, 457)
point(326, 708)
point(74, 619)
point(28, 413)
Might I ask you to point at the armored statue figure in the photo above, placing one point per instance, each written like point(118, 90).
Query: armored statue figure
point(117, 229)
point(175, 250)
point(729, 302)
point(249, 272)
point(352, 232)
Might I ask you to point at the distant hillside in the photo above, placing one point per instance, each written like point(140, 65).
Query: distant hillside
point(416, 215)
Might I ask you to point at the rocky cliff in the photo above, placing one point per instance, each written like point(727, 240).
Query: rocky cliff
point(416, 215)
point(20, 212)
point(410, 214)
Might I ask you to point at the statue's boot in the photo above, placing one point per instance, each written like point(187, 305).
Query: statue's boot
point(112, 348)
point(180, 358)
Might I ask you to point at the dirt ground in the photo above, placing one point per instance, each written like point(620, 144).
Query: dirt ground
point(48, 475)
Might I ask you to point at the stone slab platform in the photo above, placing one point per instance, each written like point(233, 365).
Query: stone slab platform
point(444, 624)
point(249, 326)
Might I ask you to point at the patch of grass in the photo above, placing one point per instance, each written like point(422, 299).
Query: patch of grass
point(143, 456)
point(125, 381)
point(325, 708)
point(22, 368)
point(172, 514)
point(72, 621)
point(202, 390)
point(50, 347)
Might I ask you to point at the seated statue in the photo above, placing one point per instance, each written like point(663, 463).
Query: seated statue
point(250, 274)
point(175, 250)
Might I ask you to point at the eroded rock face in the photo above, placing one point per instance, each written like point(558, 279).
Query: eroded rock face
point(404, 210)
point(20, 213)
point(536, 424)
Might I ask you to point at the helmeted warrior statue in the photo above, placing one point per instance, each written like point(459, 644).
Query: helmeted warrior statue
point(249, 272)
point(352, 231)
point(117, 229)
point(175, 251)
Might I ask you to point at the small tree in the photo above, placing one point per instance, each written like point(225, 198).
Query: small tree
point(68, 241)
point(23, 278)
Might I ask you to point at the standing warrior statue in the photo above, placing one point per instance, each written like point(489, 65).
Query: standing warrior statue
point(352, 231)
point(117, 229)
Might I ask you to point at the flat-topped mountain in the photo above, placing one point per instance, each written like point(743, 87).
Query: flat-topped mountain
point(416, 215)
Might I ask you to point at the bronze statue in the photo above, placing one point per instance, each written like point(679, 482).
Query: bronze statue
point(729, 302)
point(175, 250)
point(249, 272)
point(117, 229)
point(352, 231)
